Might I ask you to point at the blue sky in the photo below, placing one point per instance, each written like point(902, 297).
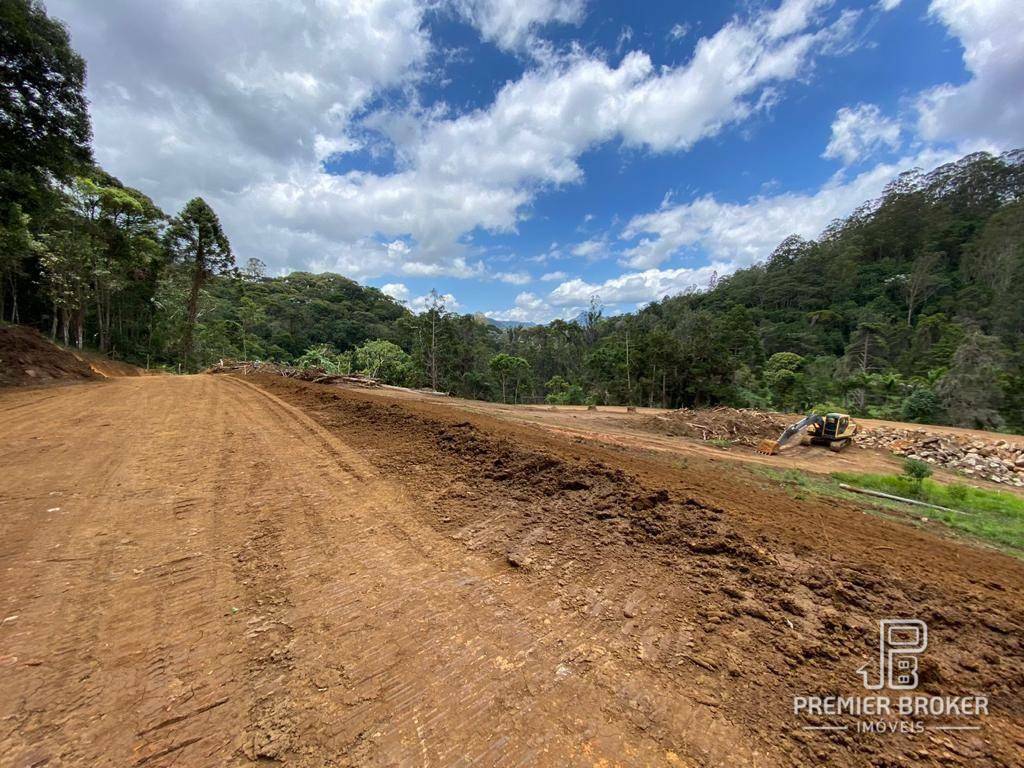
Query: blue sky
point(521, 157)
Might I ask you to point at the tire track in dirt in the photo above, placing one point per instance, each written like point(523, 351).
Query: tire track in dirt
point(227, 582)
point(100, 656)
point(700, 592)
point(411, 665)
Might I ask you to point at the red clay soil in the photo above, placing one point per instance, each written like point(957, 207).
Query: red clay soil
point(218, 570)
point(705, 588)
point(107, 367)
point(27, 357)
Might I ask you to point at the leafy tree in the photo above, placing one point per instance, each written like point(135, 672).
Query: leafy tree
point(66, 266)
point(995, 262)
point(865, 355)
point(430, 332)
point(195, 239)
point(384, 360)
point(921, 282)
point(706, 368)
point(254, 270)
point(508, 368)
point(921, 405)
point(44, 117)
point(16, 245)
point(123, 225)
point(606, 366)
point(44, 139)
point(783, 375)
point(251, 314)
point(971, 391)
point(561, 392)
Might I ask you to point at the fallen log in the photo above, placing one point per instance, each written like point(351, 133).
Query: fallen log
point(889, 496)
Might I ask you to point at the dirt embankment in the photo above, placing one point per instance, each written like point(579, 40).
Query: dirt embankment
point(722, 597)
point(27, 357)
point(109, 368)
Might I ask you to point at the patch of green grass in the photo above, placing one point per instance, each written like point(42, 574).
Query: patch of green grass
point(799, 484)
point(995, 516)
point(720, 443)
point(991, 516)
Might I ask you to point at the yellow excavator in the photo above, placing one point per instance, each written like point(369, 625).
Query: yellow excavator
point(834, 430)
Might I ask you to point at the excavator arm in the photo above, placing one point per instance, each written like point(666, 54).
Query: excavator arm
point(771, 447)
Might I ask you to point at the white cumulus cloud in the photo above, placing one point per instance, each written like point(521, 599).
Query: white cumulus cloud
point(858, 132)
point(422, 303)
point(737, 235)
point(634, 287)
point(512, 24)
point(480, 169)
point(241, 102)
point(397, 291)
point(990, 105)
point(528, 308)
point(513, 278)
point(207, 98)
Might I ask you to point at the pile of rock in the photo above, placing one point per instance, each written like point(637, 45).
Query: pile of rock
point(997, 460)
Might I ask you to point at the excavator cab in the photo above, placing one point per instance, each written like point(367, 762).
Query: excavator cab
point(835, 430)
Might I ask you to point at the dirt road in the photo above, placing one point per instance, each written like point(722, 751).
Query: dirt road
point(209, 571)
point(196, 571)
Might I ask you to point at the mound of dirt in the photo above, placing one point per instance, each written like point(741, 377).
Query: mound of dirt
point(27, 357)
point(108, 368)
point(737, 425)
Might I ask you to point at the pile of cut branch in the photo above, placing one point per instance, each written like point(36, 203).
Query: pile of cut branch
point(314, 374)
point(743, 426)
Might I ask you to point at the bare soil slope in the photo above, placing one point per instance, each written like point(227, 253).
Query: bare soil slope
point(107, 367)
point(674, 437)
point(207, 570)
point(27, 357)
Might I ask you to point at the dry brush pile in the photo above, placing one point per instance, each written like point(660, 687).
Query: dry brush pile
point(312, 373)
point(742, 426)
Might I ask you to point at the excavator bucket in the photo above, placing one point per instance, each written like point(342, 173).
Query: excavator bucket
point(771, 447)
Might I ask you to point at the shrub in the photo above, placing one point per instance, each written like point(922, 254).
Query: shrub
point(922, 405)
point(322, 356)
point(916, 471)
point(386, 361)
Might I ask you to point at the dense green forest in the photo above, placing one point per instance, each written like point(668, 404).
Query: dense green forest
point(911, 308)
